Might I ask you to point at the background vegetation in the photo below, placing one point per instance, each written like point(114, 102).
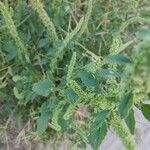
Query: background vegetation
point(74, 68)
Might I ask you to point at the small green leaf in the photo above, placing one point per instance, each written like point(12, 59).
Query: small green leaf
point(118, 59)
point(11, 55)
point(42, 122)
point(130, 121)
point(106, 73)
point(16, 78)
point(30, 96)
point(97, 136)
point(125, 105)
point(43, 87)
point(11, 50)
point(143, 34)
point(87, 78)
point(100, 118)
point(146, 110)
point(71, 95)
point(43, 42)
point(48, 105)
point(17, 94)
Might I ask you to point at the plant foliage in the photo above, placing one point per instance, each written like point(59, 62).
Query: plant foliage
point(76, 68)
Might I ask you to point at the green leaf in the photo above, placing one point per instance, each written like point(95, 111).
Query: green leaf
point(118, 59)
point(130, 121)
point(11, 55)
point(100, 118)
point(143, 34)
point(48, 105)
point(146, 110)
point(106, 73)
point(71, 95)
point(17, 94)
point(126, 105)
point(43, 42)
point(97, 136)
point(17, 78)
point(87, 78)
point(30, 96)
point(11, 50)
point(43, 87)
point(42, 123)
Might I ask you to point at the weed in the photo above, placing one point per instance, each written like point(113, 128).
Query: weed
point(63, 59)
